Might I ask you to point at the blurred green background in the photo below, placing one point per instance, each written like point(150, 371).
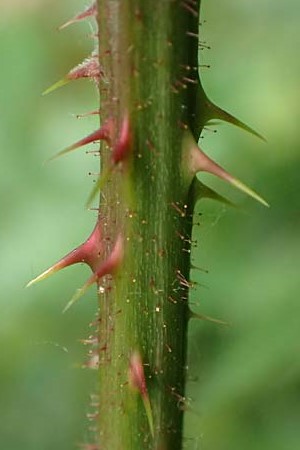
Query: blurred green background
point(244, 379)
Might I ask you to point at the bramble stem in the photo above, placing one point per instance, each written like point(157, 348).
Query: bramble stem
point(150, 70)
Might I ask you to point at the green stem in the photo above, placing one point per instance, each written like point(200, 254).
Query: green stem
point(150, 64)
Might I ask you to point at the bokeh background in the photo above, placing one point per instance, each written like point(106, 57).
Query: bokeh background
point(244, 378)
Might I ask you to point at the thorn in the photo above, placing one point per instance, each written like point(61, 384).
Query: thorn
point(109, 266)
point(183, 281)
point(189, 8)
point(193, 315)
point(88, 12)
point(200, 162)
point(103, 133)
point(203, 191)
point(218, 113)
point(192, 34)
point(88, 253)
point(90, 113)
point(89, 68)
point(56, 85)
point(137, 381)
point(120, 153)
point(92, 340)
point(190, 80)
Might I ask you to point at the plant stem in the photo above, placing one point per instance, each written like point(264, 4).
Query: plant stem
point(149, 62)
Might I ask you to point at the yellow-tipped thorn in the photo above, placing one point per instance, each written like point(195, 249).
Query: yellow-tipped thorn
point(62, 152)
point(56, 85)
point(242, 187)
point(47, 273)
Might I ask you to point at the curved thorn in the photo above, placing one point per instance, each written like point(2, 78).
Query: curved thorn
point(208, 165)
point(215, 112)
point(198, 161)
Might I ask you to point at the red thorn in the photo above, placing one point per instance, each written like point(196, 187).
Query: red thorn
point(88, 252)
point(90, 11)
point(92, 248)
point(120, 152)
point(103, 133)
point(109, 266)
point(123, 144)
point(89, 68)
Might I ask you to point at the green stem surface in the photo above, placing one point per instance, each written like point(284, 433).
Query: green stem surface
point(149, 59)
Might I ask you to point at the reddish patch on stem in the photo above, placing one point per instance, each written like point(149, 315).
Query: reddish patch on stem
point(89, 447)
point(138, 381)
point(136, 374)
point(111, 264)
point(123, 145)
